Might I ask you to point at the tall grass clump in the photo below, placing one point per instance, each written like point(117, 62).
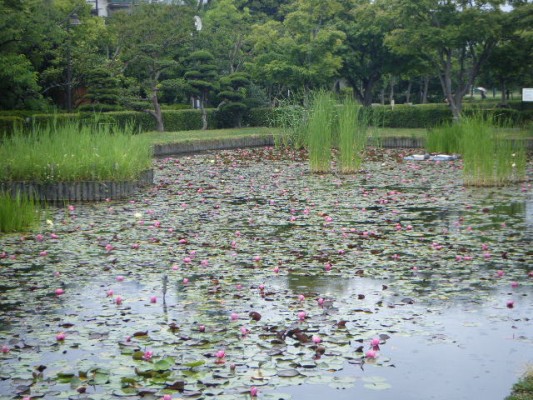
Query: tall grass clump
point(445, 139)
point(488, 158)
point(70, 152)
point(292, 118)
point(18, 213)
point(320, 132)
point(353, 128)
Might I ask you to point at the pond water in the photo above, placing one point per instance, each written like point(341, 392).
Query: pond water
point(290, 275)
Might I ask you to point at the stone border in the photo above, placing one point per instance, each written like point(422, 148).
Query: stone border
point(168, 149)
point(79, 191)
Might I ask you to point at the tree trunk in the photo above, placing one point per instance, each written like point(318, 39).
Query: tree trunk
point(204, 112)
point(391, 91)
point(424, 99)
point(157, 111)
point(504, 92)
point(408, 91)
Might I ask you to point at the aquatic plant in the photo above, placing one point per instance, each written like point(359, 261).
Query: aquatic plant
point(353, 126)
point(292, 118)
point(320, 131)
point(18, 213)
point(70, 152)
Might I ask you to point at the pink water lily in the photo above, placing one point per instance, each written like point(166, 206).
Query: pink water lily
point(118, 300)
point(234, 316)
point(153, 299)
point(302, 315)
point(119, 278)
point(371, 354)
point(317, 339)
point(253, 391)
point(60, 336)
point(301, 297)
point(147, 355)
point(5, 349)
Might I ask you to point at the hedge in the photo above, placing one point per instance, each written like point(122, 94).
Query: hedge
point(401, 116)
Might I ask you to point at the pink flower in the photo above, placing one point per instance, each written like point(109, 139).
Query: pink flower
point(153, 299)
point(54, 236)
point(175, 267)
point(39, 237)
point(204, 263)
point(60, 336)
point(371, 354)
point(301, 297)
point(276, 269)
point(118, 300)
point(316, 339)
point(201, 328)
point(253, 391)
point(320, 301)
point(244, 331)
point(257, 259)
point(500, 273)
point(135, 246)
point(109, 293)
point(71, 208)
point(328, 266)
point(261, 287)
point(302, 315)
point(5, 349)
point(187, 260)
point(220, 354)
point(514, 284)
point(43, 253)
point(119, 278)
point(510, 303)
point(185, 281)
point(147, 356)
point(167, 397)
point(109, 247)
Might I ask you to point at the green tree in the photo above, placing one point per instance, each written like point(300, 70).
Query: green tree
point(233, 92)
point(301, 52)
point(152, 40)
point(202, 77)
point(454, 37)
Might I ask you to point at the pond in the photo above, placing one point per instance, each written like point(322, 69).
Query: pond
point(239, 270)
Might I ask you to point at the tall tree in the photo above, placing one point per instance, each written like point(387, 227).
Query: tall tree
point(455, 37)
point(153, 39)
point(366, 58)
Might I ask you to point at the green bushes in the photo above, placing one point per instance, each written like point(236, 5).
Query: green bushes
point(320, 132)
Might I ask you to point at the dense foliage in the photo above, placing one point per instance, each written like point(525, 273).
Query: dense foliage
point(238, 54)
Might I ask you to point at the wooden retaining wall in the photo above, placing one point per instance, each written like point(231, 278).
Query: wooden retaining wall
point(78, 191)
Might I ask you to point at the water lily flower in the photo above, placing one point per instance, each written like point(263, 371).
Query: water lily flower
point(187, 260)
point(253, 391)
point(201, 328)
point(43, 253)
point(371, 354)
point(244, 331)
point(500, 273)
point(147, 355)
point(375, 344)
point(59, 292)
point(119, 278)
point(220, 354)
point(109, 247)
point(204, 263)
point(185, 280)
point(118, 300)
point(109, 293)
point(276, 269)
point(327, 267)
point(302, 315)
point(5, 349)
point(153, 299)
point(261, 287)
point(54, 236)
point(135, 246)
point(510, 303)
point(320, 301)
point(257, 259)
point(301, 297)
point(39, 237)
point(167, 397)
point(234, 316)
point(514, 284)
point(60, 336)
point(317, 339)
point(175, 267)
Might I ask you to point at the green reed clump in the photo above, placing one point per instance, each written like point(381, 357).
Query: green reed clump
point(488, 158)
point(352, 132)
point(292, 118)
point(18, 213)
point(445, 139)
point(320, 132)
point(90, 152)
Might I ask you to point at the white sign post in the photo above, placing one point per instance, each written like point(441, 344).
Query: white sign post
point(527, 94)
